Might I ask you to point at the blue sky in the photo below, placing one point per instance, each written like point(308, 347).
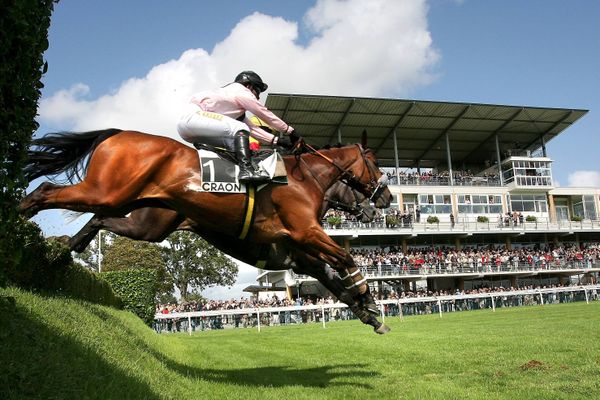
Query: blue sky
point(130, 64)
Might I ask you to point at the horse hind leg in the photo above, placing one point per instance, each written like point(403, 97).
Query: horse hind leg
point(83, 197)
point(34, 202)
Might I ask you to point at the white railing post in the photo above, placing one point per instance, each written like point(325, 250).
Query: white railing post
point(400, 310)
point(323, 314)
point(440, 307)
point(190, 324)
point(382, 312)
point(258, 318)
point(493, 303)
point(587, 301)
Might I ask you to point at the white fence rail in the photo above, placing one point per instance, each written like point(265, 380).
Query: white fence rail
point(269, 316)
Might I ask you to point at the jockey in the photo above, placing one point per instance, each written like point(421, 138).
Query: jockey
point(218, 118)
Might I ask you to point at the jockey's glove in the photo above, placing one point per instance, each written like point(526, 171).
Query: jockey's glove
point(285, 141)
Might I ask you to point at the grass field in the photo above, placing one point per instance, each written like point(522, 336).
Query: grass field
point(65, 349)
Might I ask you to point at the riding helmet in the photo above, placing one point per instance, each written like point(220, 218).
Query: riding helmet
point(253, 79)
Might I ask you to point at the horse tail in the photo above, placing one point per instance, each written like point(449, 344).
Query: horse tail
point(64, 152)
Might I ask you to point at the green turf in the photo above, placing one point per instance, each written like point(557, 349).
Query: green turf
point(65, 349)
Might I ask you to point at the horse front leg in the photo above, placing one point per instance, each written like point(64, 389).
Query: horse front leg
point(316, 243)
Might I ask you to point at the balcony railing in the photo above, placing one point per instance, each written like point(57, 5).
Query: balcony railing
point(444, 181)
point(462, 226)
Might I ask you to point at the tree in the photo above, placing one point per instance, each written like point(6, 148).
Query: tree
point(100, 243)
point(125, 253)
point(195, 265)
point(122, 253)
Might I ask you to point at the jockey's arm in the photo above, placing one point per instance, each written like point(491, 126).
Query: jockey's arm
point(256, 108)
point(259, 134)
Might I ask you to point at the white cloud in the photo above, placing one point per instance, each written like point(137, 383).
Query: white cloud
point(362, 48)
point(584, 178)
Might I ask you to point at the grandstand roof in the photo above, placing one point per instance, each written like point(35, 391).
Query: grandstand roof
point(421, 126)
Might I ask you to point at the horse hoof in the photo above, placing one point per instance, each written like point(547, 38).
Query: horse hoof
point(382, 329)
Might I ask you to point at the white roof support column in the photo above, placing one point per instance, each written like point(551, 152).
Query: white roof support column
point(543, 145)
point(396, 158)
point(449, 159)
point(499, 159)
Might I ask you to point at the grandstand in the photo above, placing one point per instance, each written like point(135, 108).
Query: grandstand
point(474, 200)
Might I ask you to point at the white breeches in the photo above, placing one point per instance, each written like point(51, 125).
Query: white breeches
point(208, 127)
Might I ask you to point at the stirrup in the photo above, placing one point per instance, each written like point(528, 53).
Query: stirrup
point(256, 176)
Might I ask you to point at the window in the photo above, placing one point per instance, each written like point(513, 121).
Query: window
point(528, 203)
point(479, 204)
point(435, 203)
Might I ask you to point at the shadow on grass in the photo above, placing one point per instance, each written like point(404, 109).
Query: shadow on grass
point(39, 363)
point(280, 376)
point(267, 376)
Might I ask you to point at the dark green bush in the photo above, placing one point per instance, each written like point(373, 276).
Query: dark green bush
point(432, 219)
point(334, 220)
point(391, 221)
point(137, 289)
point(482, 218)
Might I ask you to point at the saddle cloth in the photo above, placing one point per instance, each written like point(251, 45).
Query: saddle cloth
point(220, 175)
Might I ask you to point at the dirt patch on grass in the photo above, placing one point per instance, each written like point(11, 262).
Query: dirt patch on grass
point(533, 364)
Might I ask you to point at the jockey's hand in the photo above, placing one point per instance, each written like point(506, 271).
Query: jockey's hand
point(285, 141)
point(294, 137)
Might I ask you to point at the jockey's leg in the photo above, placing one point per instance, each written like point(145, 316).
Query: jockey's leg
point(248, 171)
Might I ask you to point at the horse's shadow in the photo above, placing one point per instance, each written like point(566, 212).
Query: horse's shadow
point(267, 376)
point(280, 376)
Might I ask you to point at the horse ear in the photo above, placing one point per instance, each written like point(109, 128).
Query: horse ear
point(363, 140)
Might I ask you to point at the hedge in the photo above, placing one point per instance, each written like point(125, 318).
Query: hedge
point(137, 288)
point(24, 25)
point(46, 266)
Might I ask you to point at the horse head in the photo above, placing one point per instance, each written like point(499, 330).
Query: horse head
point(366, 177)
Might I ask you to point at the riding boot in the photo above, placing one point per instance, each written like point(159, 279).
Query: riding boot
point(248, 171)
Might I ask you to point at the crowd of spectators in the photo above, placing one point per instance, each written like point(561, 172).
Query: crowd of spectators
point(432, 177)
point(238, 304)
point(389, 293)
point(481, 259)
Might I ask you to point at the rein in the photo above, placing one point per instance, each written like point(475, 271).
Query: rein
point(346, 175)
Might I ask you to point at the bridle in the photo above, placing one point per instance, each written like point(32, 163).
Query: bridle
point(372, 190)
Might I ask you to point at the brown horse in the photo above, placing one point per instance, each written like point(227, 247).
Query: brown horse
point(128, 170)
